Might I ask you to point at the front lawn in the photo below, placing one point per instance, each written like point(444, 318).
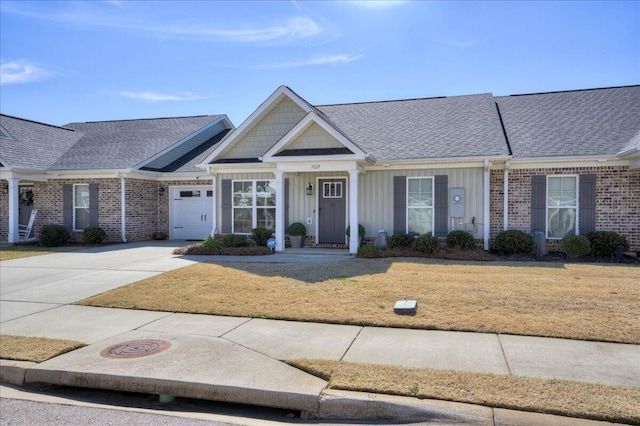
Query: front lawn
point(577, 301)
point(18, 252)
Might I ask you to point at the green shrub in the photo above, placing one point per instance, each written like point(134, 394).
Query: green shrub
point(514, 242)
point(234, 240)
point(52, 235)
point(93, 235)
point(576, 246)
point(604, 243)
point(361, 231)
point(461, 240)
point(402, 240)
point(426, 244)
point(369, 252)
point(213, 243)
point(297, 229)
point(261, 235)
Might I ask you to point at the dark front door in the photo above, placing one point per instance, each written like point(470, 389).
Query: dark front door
point(332, 209)
point(25, 206)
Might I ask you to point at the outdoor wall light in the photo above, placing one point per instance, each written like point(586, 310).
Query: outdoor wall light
point(161, 190)
point(309, 189)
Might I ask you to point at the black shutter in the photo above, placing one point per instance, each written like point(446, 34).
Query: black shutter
point(93, 204)
point(226, 203)
point(538, 203)
point(441, 206)
point(399, 204)
point(67, 206)
point(286, 205)
point(587, 207)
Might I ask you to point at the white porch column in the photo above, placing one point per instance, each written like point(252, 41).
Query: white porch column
point(354, 238)
point(123, 208)
point(279, 211)
point(214, 218)
point(14, 219)
point(505, 210)
point(486, 211)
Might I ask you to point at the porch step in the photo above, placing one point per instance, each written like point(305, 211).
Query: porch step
point(336, 246)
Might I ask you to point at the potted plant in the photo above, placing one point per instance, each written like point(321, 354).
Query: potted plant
point(297, 232)
point(361, 233)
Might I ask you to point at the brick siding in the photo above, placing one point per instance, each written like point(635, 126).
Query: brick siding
point(617, 200)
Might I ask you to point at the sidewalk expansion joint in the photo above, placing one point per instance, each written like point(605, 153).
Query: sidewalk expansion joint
point(352, 342)
point(504, 354)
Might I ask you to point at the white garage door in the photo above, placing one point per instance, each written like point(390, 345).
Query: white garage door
point(190, 215)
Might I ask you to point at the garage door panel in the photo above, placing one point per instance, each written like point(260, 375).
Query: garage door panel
point(190, 213)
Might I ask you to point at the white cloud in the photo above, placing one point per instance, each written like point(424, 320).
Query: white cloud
point(320, 60)
point(162, 97)
point(289, 29)
point(378, 4)
point(19, 72)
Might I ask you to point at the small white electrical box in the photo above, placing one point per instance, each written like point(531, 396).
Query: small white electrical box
point(456, 202)
point(308, 221)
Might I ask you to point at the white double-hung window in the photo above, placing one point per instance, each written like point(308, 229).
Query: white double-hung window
point(80, 206)
point(254, 205)
point(562, 206)
point(420, 205)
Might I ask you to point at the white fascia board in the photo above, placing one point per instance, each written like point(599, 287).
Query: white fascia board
point(628, 153)
point(87, 174)
point(439, 163)
point(299, 128)
point(559, 162)
point(185, 176)
point(223, 118)
point(246, 124)
point(315, 159)
point(315, 167)
point(30, 175)
point(240, 168)
point(6, 165)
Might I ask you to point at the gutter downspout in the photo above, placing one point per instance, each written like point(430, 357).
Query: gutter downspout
point(486, 212)
point(505, 212)
point(123, 208)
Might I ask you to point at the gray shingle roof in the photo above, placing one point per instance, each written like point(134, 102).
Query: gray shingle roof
point(126, 143)
point(576, 123)
point(458, 126)
point(34, 145)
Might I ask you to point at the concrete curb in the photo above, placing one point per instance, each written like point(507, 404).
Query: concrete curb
point(357, 406)
point(14, 372)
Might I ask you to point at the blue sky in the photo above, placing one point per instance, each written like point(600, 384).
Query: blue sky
point(105, 60)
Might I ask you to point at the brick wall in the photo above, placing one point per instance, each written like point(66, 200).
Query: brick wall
point(617, 200)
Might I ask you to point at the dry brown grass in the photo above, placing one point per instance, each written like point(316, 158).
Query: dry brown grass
point(573, 399)
point(18, 252)
point(578, 301)
point(35, 349)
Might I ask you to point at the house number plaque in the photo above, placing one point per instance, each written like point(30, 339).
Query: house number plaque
point(315, 166)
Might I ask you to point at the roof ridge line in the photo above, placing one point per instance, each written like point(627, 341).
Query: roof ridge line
point(145, 119)
point(39, 122)
point(403, 100)
point(572, 90)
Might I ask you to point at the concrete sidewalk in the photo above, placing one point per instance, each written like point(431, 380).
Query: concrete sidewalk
point(239, 359)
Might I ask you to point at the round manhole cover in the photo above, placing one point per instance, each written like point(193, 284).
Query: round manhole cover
point(135, 348)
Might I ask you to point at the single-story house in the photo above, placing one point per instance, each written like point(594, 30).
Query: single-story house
point(118, 175)
point(559, 163)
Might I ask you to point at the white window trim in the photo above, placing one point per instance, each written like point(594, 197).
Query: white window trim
point(433, 195)
point(547, 207)
point(75, 207)
point(253, 207)
point(338, 185)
